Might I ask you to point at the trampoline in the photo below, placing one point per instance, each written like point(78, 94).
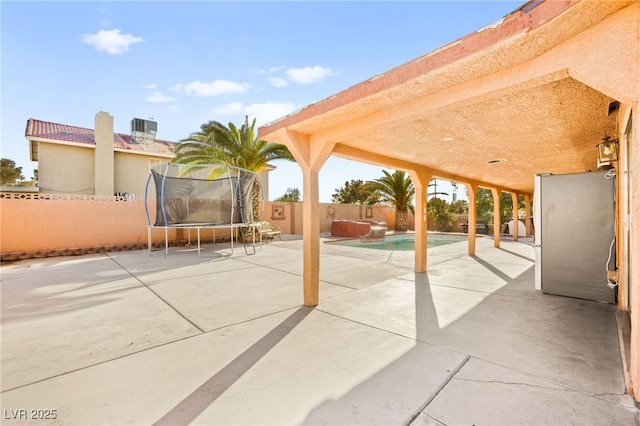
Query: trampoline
point(203, 196)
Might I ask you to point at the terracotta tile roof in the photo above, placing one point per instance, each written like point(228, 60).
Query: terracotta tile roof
point(38, 129)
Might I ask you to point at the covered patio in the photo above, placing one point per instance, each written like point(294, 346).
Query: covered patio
point(530, 94)
point(175, 341)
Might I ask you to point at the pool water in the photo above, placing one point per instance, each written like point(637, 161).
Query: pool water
point(403, 242)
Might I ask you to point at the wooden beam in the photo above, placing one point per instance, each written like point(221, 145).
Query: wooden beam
point(516, 221)
point(472, 190)
point(357, 154)
point(496, 216)
point(420, 178)
point(310, 154)
point(310, 238)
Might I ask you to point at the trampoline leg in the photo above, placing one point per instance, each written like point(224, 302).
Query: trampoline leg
point(166, 242)
point(150, 242)
point(244, 232)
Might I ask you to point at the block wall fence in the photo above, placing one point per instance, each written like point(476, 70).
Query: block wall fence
point(44, 225)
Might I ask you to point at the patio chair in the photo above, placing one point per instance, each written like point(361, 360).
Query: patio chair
point(482, 227)
point(268, 233)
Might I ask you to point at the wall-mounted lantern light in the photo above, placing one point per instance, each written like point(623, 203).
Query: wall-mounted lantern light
point(607, 151)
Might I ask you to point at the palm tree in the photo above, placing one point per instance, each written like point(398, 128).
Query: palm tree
point(216, 143)
point(397, 190)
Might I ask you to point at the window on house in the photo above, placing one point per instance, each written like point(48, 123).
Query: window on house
point(154, 162)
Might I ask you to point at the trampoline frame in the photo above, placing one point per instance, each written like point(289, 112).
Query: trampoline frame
point(233, 227)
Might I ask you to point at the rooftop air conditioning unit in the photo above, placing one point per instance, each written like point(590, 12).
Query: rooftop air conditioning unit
point(143, 131)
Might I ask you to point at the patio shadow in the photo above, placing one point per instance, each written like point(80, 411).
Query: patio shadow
point(401, 390)
point(187, 410)
point(517, 254)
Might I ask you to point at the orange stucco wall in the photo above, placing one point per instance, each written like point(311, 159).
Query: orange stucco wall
point(47, 224)
point(34, 223)
point(290, 221)
point(43, 223)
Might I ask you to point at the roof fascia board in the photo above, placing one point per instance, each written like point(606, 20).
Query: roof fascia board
point(84, 145)
point(61, 142)
point(146, 153)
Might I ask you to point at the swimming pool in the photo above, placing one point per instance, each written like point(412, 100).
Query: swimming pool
point(403, 242)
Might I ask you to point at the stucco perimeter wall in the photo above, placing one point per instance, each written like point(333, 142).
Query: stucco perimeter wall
point(58, 224)
point(34, 225)
point(288, 216)
point(40, 225)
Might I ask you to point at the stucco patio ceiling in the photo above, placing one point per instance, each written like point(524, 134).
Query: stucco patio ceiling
point(510, 91)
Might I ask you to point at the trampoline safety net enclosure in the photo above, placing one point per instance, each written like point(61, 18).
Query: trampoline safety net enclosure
point(201, 196)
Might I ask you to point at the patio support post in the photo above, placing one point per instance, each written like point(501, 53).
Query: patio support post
point(310, 155)
point(527, 212)
point(472, 219)
point(420, 178)
point(496, 217)
point(310, 237)
point(516, 221)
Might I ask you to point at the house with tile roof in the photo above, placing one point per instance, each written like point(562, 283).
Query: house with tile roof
point(80, 161)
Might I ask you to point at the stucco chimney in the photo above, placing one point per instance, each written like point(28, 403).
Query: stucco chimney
point(104, 157)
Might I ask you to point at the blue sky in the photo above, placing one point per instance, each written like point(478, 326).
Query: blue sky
point(186, 63)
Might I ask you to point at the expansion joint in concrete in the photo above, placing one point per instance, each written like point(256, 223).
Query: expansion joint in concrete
point(157, 295)
point(441, 387)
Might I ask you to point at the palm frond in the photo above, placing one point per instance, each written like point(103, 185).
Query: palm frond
point(396, 189)
point(216, 143)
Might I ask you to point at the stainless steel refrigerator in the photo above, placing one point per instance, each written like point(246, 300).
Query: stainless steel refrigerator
point(574, 219)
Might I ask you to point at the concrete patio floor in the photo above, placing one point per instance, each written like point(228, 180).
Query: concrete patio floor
point(126, 338)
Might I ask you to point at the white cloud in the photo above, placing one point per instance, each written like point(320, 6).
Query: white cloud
point(308, 75)
point(174, 108)
point(270, 70)
point(150, 86)
point(281, 76)
point(215, 88)
point(157, 97)
point(177, 88)
point(278, 81)
point(229, 109)
point(110, 41)
point(268, 111)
